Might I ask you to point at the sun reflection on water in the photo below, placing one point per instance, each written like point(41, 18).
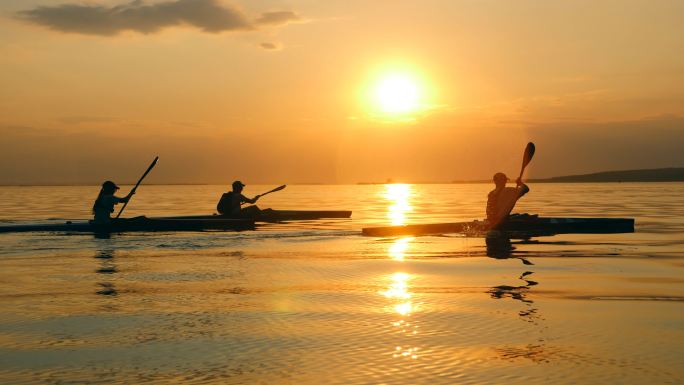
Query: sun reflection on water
point(397, 250)
point(399, 195)
point(398, 292)
point(399, 287)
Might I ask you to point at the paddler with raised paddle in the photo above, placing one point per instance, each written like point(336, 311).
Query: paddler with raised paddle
point(106, 200)
point(502, 199)
point(231, 202)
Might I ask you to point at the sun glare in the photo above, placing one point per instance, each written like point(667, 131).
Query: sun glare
point(397, 94)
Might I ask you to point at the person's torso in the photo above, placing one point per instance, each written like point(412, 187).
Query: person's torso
point(231, 203)
point(500, 202)
point(104, 207)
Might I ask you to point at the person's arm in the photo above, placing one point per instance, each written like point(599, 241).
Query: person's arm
point(250, 201)
point(522, 187)
point(124, 199)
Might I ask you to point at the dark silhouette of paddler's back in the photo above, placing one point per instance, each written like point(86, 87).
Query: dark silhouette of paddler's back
point(104, 204)
point(502, 199)
point(231, 202)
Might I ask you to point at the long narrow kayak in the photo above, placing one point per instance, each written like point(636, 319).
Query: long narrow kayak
point(181, 223)
point(270, 215)
point(524, 225)
point(137, 224)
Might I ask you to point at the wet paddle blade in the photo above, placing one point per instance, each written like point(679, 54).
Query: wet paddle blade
point(529, 153)
point(527, 156)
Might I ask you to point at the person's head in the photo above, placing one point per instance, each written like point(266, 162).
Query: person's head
point(500, 179)
point(109, 187)
point(238, 186)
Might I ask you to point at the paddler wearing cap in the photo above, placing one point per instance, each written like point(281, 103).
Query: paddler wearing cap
point(502, 199)
point(106, 200)
point(231, 202)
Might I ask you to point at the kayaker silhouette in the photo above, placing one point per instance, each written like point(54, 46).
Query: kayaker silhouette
point(105, 202)
point(231, 202)
point(502, 199)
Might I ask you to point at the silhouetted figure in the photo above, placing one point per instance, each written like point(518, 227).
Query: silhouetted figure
point(502, 199)
point(105, 202)
point(231, 203)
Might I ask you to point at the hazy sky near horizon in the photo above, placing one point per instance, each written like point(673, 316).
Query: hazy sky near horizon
point(278, 91)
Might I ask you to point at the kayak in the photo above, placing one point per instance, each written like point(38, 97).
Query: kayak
point(269, 215)
point(180, 223)
point(137, 224)
point(524, 225)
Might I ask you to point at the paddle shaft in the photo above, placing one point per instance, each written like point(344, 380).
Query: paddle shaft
point(271, 191)
point(154, 162)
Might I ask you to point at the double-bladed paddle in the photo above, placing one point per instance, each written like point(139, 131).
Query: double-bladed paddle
point(154, 162)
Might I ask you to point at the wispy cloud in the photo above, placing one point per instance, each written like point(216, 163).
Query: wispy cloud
point(210, 16)
point(269, 46)
point(277, 18)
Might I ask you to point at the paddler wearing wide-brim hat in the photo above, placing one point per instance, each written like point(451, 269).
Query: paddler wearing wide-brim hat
point(231, 202)
point(105, 202)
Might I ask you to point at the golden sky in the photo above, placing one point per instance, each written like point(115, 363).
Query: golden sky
point(336, 91)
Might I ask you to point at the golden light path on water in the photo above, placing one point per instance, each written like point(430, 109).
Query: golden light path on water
point(398, 290)
point(399, 196)
point(397, 249)
point(400, 296)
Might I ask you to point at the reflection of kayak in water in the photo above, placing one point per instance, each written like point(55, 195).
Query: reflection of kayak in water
point(516, 225)
point(182, 223)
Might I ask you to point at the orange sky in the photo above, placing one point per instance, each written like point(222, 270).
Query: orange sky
point(278, 91)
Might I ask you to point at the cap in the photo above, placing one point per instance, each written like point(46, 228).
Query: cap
point(237, 183)
point(109, 186)
point(500, 176)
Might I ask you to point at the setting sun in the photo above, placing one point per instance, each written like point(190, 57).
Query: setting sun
point(397, 93)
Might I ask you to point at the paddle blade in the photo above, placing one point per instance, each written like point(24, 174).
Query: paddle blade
point(529, 153)
point(274, 190)
point(279, 188)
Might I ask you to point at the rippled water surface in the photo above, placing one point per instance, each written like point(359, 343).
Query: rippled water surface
point(314, 302)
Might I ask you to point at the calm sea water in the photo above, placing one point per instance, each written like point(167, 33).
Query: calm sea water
point(316, 303)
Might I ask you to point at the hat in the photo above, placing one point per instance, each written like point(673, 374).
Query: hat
point(110, 185)
point(237, 183)
point(500, 176)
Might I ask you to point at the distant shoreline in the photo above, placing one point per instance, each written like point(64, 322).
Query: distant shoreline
point(670, 174)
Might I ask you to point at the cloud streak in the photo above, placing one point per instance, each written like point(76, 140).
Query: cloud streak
point(209, 16)
point(277, 18)
point(269, 46)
